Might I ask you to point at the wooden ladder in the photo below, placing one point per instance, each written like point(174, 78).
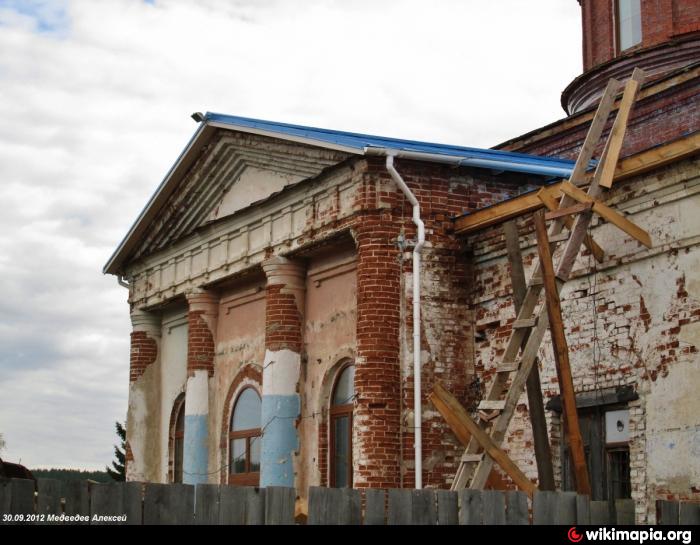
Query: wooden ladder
point(575, 212)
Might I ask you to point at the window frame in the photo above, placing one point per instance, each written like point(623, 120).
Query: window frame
point(178, 436)
point(598, 455)
point(247, 478)
point(336, 412)
point(617, 29)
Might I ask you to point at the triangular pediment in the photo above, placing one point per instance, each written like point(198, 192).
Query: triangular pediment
point(252, 185)
point(233, 171)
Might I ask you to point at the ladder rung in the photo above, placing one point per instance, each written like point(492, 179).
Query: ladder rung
point(508, 367)
point(561, 237)
point(524, 323)
point(535, 281)
point(574, 209)
point(467, 458)
point(492, 405)
point(487, 417)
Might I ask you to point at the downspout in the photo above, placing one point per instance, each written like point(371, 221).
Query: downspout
point(420, 241)
point(122, 282)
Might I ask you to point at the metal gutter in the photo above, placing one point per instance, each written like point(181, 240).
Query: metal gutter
point(510, 165)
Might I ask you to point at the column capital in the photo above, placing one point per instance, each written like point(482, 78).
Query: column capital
point(284, 271)
point(143, 320)
point(201, 299)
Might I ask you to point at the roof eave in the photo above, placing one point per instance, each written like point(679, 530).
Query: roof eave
point(163, 191)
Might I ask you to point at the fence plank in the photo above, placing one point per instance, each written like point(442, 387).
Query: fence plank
point(255, 506)
point(624, 512)
point(423, 507)
point(544, 507)
point(351, 507)
point(233, 505)
point(317, 503)
point(48, 501)
point(494, 506)
point(400, 506)
point(106, 499)
point(600, 513)
point(77, 498)
point(375, 501)
point(321, 506)
point(447, 507)
point(206, 504)
point(583, 509)
point(168, 504)
point(470, 507)
point(667, 512)
point(132, 502)
point(279, 505)
point(5, 500)
point(22, 497)
point(689, 513)
point(516, 508)
point(566, 508)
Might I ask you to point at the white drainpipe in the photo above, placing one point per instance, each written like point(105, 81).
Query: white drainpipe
point(417, 412)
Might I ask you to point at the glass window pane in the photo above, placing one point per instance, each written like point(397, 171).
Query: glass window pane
point(255, 453)
point(630, 23)
point(179, 442)
point(180, 419)
point(246, 414)
point(237, 453)
point(341, 451)
point(345, 387)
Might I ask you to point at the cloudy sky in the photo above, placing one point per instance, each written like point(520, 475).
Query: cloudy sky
point(95, 98)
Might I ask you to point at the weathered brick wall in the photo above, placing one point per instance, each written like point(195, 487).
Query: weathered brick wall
point(144, 352)
point(657, 119)
point(384, 376)
point(629, 321)
point(662, 20)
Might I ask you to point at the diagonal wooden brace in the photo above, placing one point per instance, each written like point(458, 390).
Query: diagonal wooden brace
point(552, 204)
point(608, 214)
point(465, 428)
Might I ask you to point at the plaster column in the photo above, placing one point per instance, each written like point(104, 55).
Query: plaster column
point(281, 404)
point(201, 321)
point(142, 433)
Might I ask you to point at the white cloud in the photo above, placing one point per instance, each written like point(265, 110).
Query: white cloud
point(95, 100)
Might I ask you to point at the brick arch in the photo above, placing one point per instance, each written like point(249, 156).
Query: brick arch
point(251, 373)
point(177, 405)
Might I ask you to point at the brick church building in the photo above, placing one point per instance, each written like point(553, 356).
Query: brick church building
point(271, 285)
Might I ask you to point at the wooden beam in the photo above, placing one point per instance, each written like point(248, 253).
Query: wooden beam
point(658, 157)
point(617, 133)
point(629, 167)
point(561, 357)
point(538, 421)
point(568, 211)
point(591, 244)
point(608, 214)
point(504, 211)
point(594, 132)
point(464, 428)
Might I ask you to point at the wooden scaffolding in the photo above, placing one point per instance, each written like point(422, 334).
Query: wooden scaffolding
point(570, 209)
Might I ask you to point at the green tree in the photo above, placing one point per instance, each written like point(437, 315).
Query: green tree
point(118, 469)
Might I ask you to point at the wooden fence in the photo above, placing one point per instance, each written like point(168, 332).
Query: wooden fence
point(79, 502)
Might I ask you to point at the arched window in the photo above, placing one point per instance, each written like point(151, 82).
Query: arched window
point(178, 439)
point(244, 439)
point(341, 428)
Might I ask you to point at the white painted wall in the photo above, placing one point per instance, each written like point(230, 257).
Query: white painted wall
point(173, 375)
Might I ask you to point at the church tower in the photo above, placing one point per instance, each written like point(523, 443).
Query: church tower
point(659, 36)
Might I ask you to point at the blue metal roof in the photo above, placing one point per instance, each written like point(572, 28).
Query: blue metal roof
point(485, 158)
